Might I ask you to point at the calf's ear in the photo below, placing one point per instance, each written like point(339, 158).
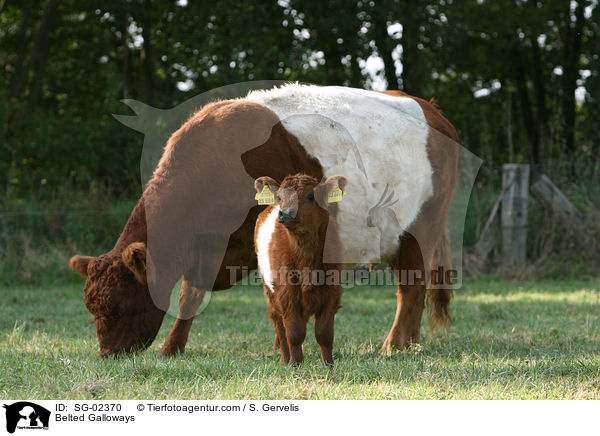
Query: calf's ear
point(134, 257)
point(260, 183)
point(80, 264)
point(324, 188)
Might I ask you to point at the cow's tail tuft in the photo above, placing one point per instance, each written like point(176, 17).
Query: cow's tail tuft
point(438, 308)
point(438, 300)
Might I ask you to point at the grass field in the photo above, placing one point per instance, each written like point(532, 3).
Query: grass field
point(509, 341)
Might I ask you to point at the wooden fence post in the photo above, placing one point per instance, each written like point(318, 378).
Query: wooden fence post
point(490, 233)
point(555, 201)
point(515, 185)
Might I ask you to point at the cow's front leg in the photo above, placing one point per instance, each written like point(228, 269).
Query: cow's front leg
point(410, 298)
point(190, 299)
point(410, 301)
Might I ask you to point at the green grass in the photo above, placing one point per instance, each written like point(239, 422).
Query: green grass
point(509, 341)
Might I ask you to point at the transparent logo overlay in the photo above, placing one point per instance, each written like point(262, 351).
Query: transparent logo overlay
point(196, 199)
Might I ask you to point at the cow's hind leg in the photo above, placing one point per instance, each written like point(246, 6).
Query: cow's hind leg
point(418, 244)
point(190, 299)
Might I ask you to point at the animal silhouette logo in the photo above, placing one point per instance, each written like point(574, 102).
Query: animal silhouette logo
point(26, 415)
point(383, 217)
point(379, 226)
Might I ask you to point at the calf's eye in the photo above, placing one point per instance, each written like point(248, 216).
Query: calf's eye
point(310, 198)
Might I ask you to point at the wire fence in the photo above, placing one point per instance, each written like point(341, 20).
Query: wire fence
point(91, 211)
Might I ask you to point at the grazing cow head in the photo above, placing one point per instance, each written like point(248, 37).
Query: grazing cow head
point(116, 293)
point(301, 199)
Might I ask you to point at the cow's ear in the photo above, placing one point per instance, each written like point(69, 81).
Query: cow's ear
point(134, 257)
point(80, 264)
point(260, 183)
point(332, 183)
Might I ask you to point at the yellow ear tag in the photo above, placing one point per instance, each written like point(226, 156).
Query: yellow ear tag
point(335, 195)
point(265, 196)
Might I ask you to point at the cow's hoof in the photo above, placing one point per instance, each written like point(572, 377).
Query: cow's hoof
point(171, 351)
point(390, 346)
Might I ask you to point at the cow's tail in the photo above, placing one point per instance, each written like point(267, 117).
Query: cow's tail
point(438, 300)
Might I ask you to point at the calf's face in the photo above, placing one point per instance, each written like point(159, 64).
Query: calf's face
point(301, 199)
point(116, 294)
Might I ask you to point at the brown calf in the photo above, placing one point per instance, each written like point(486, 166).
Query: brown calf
point(290, 238)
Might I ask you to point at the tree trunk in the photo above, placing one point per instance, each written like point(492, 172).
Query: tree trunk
point(125, 71)
point(384, 47)
point(147, 61)
point(353, 47)
point(356, 77)
point(20, 66)
point(572, 52)
point(41, 50)
point(509, 129)
point(412, 74)
point(540, 102)
point(525, 104)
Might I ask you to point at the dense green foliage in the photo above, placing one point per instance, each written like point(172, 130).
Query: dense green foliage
point(509, 341)
point(504, 72)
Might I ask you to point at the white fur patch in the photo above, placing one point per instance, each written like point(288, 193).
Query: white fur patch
point(336, 125)
point(263, 242)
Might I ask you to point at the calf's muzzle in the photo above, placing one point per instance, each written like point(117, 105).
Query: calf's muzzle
point(286, 215)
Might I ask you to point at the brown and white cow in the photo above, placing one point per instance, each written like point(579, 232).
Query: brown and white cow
point(290, 239)
point(196, 216)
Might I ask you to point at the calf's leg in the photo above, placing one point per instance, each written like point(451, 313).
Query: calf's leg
point(190, 299)
point(295, 331)
point(280, 337)
point(324, 333)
